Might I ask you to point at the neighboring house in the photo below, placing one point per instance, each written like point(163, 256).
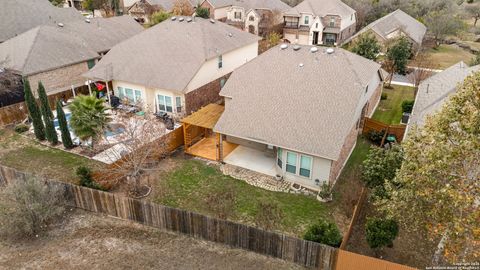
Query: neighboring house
point(393, 25)
point(19, 16)
point(255, 16)
point(296, 112)
point(58, 55)
point(143, 10)
point(435, 91)
point(177, 66)
point(11, 88)
point(314, 22)
point(74, 3)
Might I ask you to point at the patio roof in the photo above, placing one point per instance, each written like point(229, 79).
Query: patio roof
point(206, 117)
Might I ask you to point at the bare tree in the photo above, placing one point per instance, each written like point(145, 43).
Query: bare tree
point(474, 11)
point(136, 150)
point(182, 8)
point(424, 67)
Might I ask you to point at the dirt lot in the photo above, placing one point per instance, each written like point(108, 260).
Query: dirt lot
point(100, 242)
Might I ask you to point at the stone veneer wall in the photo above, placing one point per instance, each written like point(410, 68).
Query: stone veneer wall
point(204, 95)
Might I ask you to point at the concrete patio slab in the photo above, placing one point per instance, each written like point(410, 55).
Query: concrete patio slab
point(252, 159)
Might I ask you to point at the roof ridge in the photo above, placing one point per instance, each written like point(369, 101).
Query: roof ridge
point(30, 49)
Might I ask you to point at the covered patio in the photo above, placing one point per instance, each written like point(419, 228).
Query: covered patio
point(252, 159)
point(199, 138)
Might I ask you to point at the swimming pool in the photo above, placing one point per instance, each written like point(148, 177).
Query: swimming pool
point(112, 130)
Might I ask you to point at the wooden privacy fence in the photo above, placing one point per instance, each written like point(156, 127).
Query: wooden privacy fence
point(349, 260)
point(235, 235)
point(397, 130)
point(356, 213)
point(12, 114)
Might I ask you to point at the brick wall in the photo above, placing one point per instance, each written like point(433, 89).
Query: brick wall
point(347, 32)
point(348, 145)
point(326, 20)
point(60, 79)
point(372, 103)
point(204, 95)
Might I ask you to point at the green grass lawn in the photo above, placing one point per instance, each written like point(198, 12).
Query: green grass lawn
point(447, 55)
point(26, 155)
point(193, 182)
point(389, 111)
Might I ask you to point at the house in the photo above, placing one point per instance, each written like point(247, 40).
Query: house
point(313, 22)
point(77, 4)
point(296, 112)
point(58, 55)
point(395, 24)
point(433, 92)
point(143, 10)
point(19, 16)
point(177, 66)
point(255, 16)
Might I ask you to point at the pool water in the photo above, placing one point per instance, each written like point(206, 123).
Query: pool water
point(112, 131)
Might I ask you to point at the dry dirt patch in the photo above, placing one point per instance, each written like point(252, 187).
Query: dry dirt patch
point(87, 240)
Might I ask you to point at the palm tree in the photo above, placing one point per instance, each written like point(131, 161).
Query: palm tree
point(89, 118)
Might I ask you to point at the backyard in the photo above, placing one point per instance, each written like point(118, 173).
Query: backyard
point(190, 184)
point(446, 55)
point(25, 154)
point(389, 111)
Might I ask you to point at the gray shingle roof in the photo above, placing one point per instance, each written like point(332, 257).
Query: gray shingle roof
point(309, 108)
point(434, 91)
point(168, 55)
point(49, 47)
point(322, 8)
point(394, 21)
point(18, 16)
point(252, 4)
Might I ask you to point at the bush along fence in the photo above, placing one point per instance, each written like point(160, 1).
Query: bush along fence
point(372, 125)
point(302, 252)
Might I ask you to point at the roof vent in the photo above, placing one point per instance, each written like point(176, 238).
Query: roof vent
point(296, 47)
point(60, 24)
point(230, 34)
point(212, 20)
point(174, 18)
point(330, 50)
point(87, 20)
point(300, 65)
point(180, 19)
point(283, 46)
point(313, 49)
point(189, 19)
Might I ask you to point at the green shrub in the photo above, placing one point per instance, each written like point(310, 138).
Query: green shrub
point(86, 179)
point(325, 233)
point(375, 136)
point(203, 12)
point(21, 128)
point(381, 232)
point(407, 106)
point(384, 96)
point(380, 165)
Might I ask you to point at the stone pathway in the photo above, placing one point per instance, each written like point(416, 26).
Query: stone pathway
point(256, 179)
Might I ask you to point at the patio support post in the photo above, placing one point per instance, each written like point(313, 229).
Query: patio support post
point(219, 147)
point(185, 134)
point(108, 91)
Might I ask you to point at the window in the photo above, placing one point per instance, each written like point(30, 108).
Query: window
point(121, 92)
point(238, 15)
point(165, 103)
point(279, 157)
point(222, 83)
point(366, 89)
point(129, 95)
point(332, 22)
point(305, 166)
point(306, 21)
point(178, 104)
point(291, 162)
point(91, 63)
point(251, 18)
point(220, 61)
point(316, 25)
point(138, 96)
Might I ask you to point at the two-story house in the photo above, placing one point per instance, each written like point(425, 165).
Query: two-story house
point(316, 22)
point(256, 17)
point(176, 66)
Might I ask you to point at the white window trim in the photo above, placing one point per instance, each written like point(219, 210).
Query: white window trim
point(124, 90)
point(174, 108)
point(298, 164)
point(220, 61)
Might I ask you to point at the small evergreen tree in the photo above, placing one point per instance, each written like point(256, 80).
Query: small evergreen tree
point(34, 112)
point(381, 232)
point(367, 46)
point(47, 114)
point(203, 12)
point(325, 233)
point(62, 123)
point(42, 96)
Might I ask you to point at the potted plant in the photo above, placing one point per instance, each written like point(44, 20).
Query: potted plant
point(325, 193)
point(278, 177)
